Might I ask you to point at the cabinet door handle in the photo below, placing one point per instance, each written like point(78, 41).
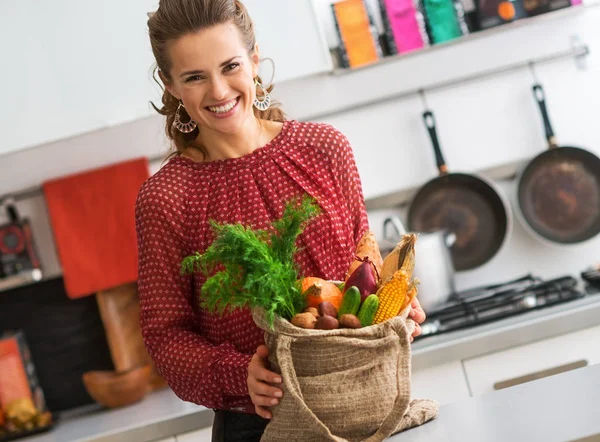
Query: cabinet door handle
point(540, 374)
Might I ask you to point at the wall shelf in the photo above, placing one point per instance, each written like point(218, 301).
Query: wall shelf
point(22, 279)
point(486, 54)
point(524, 22)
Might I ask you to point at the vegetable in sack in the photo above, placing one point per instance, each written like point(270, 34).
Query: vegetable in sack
point(322, 291)
point(258, 268)
point(368, 309)
point(350, 321)
point(367, 247)
point(327, 309)
point(304, 320)
point(327, 323)
point(313, 311)
point(350, 302)
point(393, 296)
point(365, 277)
point(401, 258)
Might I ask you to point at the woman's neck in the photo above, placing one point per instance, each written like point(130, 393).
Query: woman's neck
point(224, 146)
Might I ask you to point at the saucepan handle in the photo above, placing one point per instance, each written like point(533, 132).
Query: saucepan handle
point(395, 223)
point(429, 120)
point(540, 97)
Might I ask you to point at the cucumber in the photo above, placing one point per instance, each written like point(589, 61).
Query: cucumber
point(367, 311)
point(350, 302)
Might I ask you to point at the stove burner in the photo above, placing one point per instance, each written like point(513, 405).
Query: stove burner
point(482, 305)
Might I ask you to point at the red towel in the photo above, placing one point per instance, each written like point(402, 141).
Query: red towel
point(92, 217)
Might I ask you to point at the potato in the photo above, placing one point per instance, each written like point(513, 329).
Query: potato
point(304, 320)
point(350, 321)
point(326, 308)
point(327, 322)
point(313, 311)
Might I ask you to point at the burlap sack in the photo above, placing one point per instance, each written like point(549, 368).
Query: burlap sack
point(342, 385)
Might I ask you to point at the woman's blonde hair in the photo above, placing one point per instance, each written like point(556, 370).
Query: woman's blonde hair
point(176, 18)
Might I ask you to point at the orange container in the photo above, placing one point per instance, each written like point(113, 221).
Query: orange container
point(18, 379)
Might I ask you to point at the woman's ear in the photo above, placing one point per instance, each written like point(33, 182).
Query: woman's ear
point(168, 84)
point(255, 61)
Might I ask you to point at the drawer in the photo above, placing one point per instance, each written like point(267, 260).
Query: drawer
point(443, 383)
point(533, 361)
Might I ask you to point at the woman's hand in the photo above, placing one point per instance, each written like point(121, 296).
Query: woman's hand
point(418, 315)
point(260, 380)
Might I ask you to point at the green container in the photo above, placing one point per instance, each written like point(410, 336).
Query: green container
point(442, 20)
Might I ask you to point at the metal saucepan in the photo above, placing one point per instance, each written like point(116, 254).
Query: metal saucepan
point(558, 192)
point(433, 266)
point(471, 207)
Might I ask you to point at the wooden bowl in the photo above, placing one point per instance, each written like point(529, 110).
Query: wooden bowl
point(117, 389)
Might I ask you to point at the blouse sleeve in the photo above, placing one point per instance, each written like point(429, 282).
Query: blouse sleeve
point(196, 370)
point(350, 184)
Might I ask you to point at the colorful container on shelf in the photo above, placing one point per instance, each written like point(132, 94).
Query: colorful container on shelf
point(537, 7)
point(445, 20)
point(359, 39)
point(492, 13)
point(22, 404)
point(404, 23)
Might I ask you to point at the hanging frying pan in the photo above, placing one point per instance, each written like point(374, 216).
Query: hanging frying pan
point(558, 192)
point(469, 206)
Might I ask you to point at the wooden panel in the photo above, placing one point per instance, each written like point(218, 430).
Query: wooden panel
point(120, 311)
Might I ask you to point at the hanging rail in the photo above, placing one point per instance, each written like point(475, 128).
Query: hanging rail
point(578, 51)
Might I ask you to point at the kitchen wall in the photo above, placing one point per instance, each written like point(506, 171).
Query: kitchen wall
point(480, 124)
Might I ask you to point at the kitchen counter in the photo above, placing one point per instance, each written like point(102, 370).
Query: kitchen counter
point(561, 408)
point(162, 414)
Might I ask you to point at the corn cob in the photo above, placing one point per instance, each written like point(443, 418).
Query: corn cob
point(392, 296)
point(411, 294)
point(401, 258)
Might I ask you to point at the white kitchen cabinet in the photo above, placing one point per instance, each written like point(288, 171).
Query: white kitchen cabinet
point(203, 435)
point(532, 361)
point(443, 383)
point(288, 32)
point(86, 68)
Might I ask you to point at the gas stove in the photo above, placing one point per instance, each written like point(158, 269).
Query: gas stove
point(486, 304)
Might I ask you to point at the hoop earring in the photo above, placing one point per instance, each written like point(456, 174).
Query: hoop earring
point(263, 104)
point(185, 128)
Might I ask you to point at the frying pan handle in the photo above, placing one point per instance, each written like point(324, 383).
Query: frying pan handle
point(540, 97)
point(429, 120)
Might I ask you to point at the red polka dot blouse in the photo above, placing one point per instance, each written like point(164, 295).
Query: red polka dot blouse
point(204, 357)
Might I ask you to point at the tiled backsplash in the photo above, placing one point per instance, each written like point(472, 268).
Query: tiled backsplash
point(66, 338)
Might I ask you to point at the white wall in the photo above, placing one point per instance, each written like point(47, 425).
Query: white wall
point(74, 66)
point(480, 124)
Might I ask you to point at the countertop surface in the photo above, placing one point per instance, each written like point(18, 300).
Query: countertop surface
point(162, 414)
point(561, 408)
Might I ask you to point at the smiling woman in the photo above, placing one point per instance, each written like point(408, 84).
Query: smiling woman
point(211, 77)
point(236, 160)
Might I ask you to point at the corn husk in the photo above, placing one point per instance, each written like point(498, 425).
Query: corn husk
point(401, 258)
